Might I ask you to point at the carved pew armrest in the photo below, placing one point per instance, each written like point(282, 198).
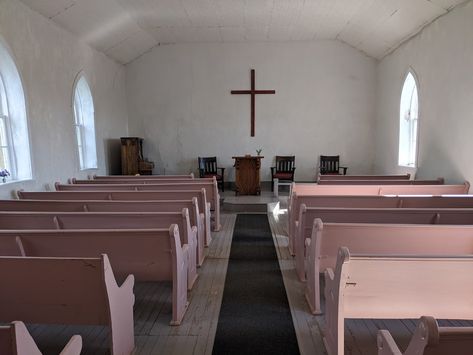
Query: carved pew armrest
point(73, 347)
point(386, 344)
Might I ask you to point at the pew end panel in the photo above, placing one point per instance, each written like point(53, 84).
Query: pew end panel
point(16, 340)
point(121, 300)
point(180, 255)
point(312, 292)
point(429, 339)
point(73, 347)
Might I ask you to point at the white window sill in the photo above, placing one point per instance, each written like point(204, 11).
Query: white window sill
point(11, 182)
point(89, 169)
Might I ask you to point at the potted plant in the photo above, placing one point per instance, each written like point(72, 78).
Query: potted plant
point(4, 173)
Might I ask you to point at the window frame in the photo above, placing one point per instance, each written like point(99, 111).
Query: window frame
point(409, 71)
point(16, 119)
point(78, 124)
point(5, 117)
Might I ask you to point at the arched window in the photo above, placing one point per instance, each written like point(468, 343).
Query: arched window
point(409, 116)
point(5, 145)
point(14, 137)
point(84, 124)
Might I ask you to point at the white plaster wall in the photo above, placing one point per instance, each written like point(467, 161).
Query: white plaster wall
point(179, 101)
point(442, 57)
point(48, 59)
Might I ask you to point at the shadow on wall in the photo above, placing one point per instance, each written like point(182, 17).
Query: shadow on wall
point(113, 153)
point(436, 163)
point(151, 152)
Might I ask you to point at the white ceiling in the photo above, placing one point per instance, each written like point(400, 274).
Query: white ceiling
point(125, 29)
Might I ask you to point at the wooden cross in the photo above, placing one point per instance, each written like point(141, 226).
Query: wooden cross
point(252, 92)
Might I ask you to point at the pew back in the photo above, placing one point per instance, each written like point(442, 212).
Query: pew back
point(138, 177)
point(439, 181)
point(52, 281)
point(127, 196)
point(196, 219)
point(364, 177)
point(210, 187)
point(144, 253)
point(370, 215)
point(68, 291)
point(105, 220)
point(141, 181)
point(396, 287)
point(380, 239)
point(461, 201)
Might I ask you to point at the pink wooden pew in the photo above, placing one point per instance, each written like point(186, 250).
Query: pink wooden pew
point(365, 177)
point(430, 339)
point(210, 187)
point(137, 177)
point(147, 254)
point(195, 217)
point(141, 181)
point(374, 201)
point(380, 239)
point(16, 340)
point(109, 220)
point(128, 196)
point(299, 191)
point(439, 181)
point(398, 287)
point(371, 215)
point(68, 291)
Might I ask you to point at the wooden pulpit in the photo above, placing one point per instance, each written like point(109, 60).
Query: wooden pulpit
point(247, 175)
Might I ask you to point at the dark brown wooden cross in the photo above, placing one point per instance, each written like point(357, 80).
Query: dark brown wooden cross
point(253, 92)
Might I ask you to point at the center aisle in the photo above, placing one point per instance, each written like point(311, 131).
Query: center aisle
point(255, 316)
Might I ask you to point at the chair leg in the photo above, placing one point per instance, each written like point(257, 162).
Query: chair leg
point(272, 184)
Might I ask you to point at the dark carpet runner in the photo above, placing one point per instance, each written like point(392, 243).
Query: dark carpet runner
point(255, 317)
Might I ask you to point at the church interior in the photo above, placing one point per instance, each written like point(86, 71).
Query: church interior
point(197, 177)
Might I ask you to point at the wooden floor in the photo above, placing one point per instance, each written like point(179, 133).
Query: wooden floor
point(195, 336)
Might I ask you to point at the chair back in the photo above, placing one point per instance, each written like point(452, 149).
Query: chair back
point(285, 164)
point(207, 165)
point(329, 164)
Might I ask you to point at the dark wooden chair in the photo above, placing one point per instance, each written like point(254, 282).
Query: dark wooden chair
point(208, 168)
point(330, 165)
point(284, 169)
